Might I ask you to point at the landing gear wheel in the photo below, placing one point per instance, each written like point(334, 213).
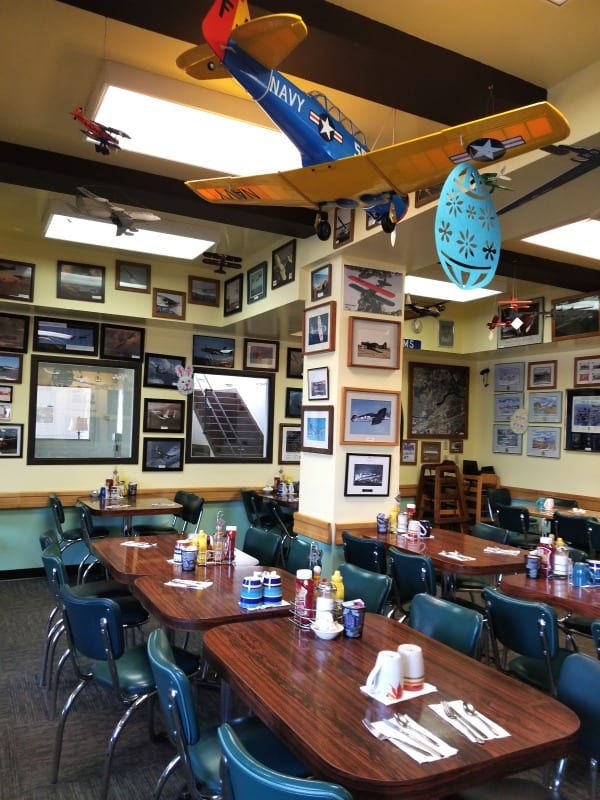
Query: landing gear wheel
point(387, 225)
point(323, 229)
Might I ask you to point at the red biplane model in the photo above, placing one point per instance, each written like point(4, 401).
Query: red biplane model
point(104, 136)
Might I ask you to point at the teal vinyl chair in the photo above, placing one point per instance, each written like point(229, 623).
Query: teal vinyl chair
point(100, 656)
point(198, 750)
point(365, 552)
point(372, 588)
point(474, 584)
point(248, 778)
point(458, 627)
point(192, 508)
point(529, 630)
point(298, 555)
point(412, 574)
point(263, 545)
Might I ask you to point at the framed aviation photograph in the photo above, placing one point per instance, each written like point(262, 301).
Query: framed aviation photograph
point(367, 475)
point(370, 416)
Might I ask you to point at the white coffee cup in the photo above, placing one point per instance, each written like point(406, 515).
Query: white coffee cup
point(413, 667)
point(402, 523)
point(415, 529)
point(549, 504)
point(386, 676)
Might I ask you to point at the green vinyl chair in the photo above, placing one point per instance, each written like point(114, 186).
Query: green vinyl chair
point(412, 574)
point(370, 587)
point(298, 556)
point(249, 778)
point(263, 545)
point(364, 552)
point(458, 627)
point(198, 751)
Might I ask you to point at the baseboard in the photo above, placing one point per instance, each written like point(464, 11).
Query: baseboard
point(17, 574)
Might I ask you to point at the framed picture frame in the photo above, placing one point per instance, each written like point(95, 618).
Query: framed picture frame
point(14, 333)
point(438, 401)
point(213, 351)
point(84, 282)
point(6, 394)
point(162, 455)
point(293, 402)
point(232, 295)
point(509, 377)
point(431, 452)
point(163, 416)
point(586, 371)
point(65, 336)
point(582, 420)
point(132, 277)
point(543, 442)
point(408, 451)
point(370, 416)
point(295, 362)
point(318, 328)
point(5, 412)
point(343, 227)
point(16, 280)
point(11, 437)
point(204, 291)
point(317, 429)
point(121, 342)
point(320, 283)
point(542, 374)
point(505, 405)
point(367, 475)
point(11, 367)
point(531, 331)
point(445, 333)
point(505, 440)
point(373, 291)
point(290, 443)
point(576, 317)
point(318, 383)
point(545, 407)
point(160, 370)
point(370, 222)
point(373, 343)
point(168, 304)
point(261, 355)
point(283, 264)
point(455, 446)
point(256, 283)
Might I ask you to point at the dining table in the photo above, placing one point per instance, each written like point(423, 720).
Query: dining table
point(558, 592)
point(131, 506)
point(308, 691)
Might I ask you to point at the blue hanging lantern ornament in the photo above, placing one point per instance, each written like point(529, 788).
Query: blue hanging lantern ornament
point(467, 231)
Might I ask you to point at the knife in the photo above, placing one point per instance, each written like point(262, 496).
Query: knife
point(403, 740)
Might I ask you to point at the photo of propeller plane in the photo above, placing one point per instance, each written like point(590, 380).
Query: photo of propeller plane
point(338, 168)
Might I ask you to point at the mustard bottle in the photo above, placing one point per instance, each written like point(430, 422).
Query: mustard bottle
point(202, 547)
point(338, 582)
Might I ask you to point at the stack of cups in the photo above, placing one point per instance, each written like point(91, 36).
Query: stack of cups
point(272, 588)
point(252, 591)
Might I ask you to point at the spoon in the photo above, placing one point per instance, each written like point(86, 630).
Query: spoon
point(470, 709)
point(406, 722)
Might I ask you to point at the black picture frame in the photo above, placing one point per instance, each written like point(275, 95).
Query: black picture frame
point(256, 283)
point(68, 336)
point(582, 423)
point(261, 355)
point(16, 280)
point(11, 367)
point(82, 282)
point(160, 370)
point(11, 437)
point(249, 436)
point(121, 342)
point(576, 317)
point(343, 227)
point(438, 401)
point(367, 475)
point(163, 415)
point(168, 304)
point(213, 351)
point(318, 383)
point(293, 402)
point(232, 295)
point(162, 455)
point(320, 283)
point(295, 362)
point(131, 276)
point(283, 264)
point(290, 443)
point(14, 333)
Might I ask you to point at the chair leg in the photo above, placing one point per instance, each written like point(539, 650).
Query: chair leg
point(165, 775)
point(593, 777)
point(62, 661)
point(113, 742)
point(61, 726)
point(559, 774)
point(50, 633)
point(49, 669)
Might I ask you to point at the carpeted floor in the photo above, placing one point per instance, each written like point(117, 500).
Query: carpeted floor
point(27, 736)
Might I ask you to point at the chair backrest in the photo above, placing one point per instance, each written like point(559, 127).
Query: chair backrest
point(594, 534)
point(364, 552)
point(579, 689)
point(595, 628)
point(56, 574)
point(412, 574)
point(58, 512)
point(249, 778)
point(252, 504)
point(298, 556)
point(174, 691)
point(513, 518)
point(482, 530)
point(448, 623)
point(48, 537)
point(263, 545)
point(191, 513)
point(498, 495)
point(562, 502)
point(94, 627)
point(364, 584)
point(86, 524)
point(574, 530)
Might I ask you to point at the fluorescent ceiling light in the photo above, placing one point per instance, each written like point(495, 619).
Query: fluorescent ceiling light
point(581, 238)
point(175, 241)
point(443, 290)
point(169, 119)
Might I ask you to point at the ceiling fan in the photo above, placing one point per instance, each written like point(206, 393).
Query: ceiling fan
point(222, 261)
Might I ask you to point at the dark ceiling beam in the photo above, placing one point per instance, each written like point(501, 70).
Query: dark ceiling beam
point(42, 169)
point(356, 55)
point(524, 267)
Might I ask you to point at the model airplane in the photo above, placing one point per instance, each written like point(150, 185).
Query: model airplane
point(424, 311)
point(338, 170)
point(221, 261)
point(105, 137)
point(102, 208)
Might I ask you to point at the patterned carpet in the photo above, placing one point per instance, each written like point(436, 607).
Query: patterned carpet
point(27, 736)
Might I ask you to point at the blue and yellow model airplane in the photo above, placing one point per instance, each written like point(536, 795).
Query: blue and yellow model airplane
point(338, 169)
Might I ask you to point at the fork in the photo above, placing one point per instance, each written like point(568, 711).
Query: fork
point(452, 714)
point(405, 740)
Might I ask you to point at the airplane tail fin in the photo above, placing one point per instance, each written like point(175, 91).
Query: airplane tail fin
point(222, 18)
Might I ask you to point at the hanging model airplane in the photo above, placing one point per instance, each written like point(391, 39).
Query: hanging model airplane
point(102, 208)
point(222, 261)
point(433, 310)
point(105, 137)
point(338, 169)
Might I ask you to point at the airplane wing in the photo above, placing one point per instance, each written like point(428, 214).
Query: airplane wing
point(401, 168)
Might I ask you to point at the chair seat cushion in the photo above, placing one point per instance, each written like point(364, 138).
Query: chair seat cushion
point(135, 673)
point(514, 788)
point(533, 670)
point(205, 754)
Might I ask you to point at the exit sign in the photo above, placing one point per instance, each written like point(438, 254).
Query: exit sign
point(412, 344)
